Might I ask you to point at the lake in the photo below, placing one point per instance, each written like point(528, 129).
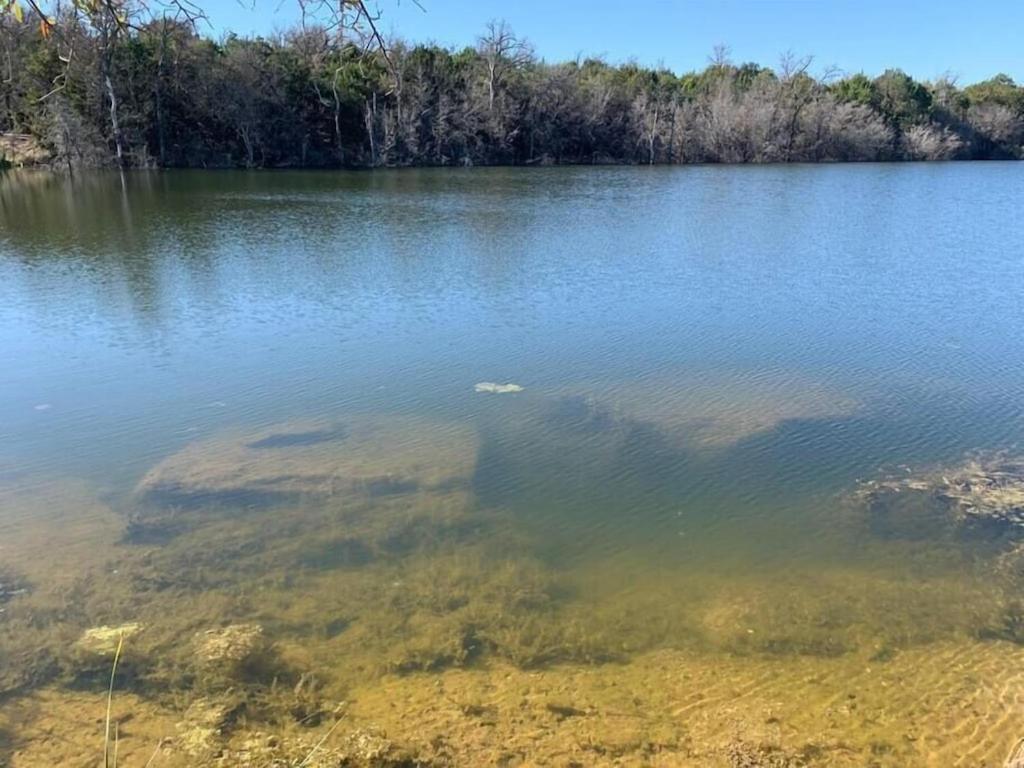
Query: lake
point(552, 466)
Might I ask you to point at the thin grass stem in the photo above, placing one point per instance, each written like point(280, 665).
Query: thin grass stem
point(316, 747)
point(110, 704)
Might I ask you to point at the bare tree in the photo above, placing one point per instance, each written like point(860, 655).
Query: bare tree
point(796, 91)
point(721, 56)
point(332, 92)
point(997, 123)
point(929, 142)
point(110, 20)
point(502, 52)
point(655, 108)
point(856, 132)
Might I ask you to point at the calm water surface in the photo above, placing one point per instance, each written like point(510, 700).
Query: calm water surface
point(711, 360)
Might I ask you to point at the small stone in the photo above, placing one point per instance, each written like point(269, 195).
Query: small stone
point(232, 645)
point(368, 746)
point(104, 641)
point(203, 726)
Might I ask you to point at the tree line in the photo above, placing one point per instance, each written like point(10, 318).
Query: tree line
point(99, 89)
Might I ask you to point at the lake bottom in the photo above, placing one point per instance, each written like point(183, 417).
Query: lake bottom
point(369, 592)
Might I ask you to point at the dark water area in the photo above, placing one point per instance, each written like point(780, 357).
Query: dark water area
point(276, 375)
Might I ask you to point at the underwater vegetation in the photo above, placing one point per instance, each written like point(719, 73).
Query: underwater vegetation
point(11, 586)
point(977, 506)
point(338, 594)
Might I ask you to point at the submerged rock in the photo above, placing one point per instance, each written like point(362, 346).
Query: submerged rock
point(984, 496)
point(744, 754)
point(231, 646)
point(362, 747)
point(365, 746)
point(104, 641)
point(201, 731)
point(988, 492)
point(493, 388)
point(11, 586)
point(382, 455)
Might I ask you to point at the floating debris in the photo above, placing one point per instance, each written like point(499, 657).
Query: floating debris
point(493, 388)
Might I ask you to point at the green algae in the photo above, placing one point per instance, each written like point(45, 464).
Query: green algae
point(328, 598)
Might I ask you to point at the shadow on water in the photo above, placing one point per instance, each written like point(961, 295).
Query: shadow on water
point(828, 454)
point(294, 439)
point(571, 448)
point(578, 465)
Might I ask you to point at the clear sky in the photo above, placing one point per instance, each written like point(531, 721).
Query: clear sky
point(972, 40)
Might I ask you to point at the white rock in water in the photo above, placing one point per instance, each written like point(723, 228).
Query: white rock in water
point(103, 641)
point(497, 389)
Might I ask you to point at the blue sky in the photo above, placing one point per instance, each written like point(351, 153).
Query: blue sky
point(927, 39)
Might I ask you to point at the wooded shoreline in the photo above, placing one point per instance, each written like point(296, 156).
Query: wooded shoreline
point(157, 94)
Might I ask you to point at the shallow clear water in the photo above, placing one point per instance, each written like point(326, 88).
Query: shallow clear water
point(711, 360)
